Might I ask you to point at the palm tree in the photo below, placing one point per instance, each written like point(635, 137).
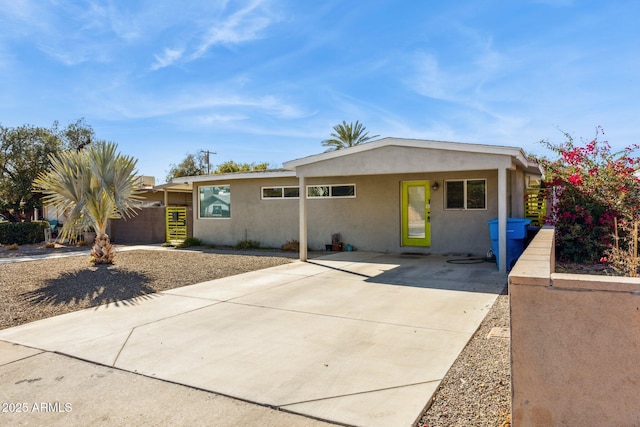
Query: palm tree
point(347, 135)
point(92, 185)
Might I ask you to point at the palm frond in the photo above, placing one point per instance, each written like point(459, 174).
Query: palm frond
point(347, 135)
point(91, 186)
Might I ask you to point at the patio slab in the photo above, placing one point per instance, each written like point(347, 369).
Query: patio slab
point(354, 338)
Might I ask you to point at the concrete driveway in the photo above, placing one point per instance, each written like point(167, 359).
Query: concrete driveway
point(354, 338)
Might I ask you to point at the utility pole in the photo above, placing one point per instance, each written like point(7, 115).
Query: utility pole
point(206, 159)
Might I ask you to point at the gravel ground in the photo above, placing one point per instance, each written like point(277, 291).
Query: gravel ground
point(477, 389)
point(475, 392)
point(35, 290)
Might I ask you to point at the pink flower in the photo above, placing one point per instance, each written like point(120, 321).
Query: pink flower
point(575, 179)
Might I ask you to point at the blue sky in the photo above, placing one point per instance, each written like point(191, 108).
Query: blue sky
point(266, 80)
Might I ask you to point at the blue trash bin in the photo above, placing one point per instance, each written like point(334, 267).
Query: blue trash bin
point(516, 237)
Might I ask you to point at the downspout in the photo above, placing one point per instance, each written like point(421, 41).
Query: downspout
point(303, 218)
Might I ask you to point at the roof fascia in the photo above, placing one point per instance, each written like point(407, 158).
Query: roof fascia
point(233, 176)
point(174, 186)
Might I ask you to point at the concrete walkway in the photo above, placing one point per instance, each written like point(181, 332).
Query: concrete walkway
point(353, 338)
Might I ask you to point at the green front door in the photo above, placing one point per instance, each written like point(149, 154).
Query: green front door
point(416, 213)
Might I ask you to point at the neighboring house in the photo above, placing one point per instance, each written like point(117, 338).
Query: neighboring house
point(389, 195)
point(149, 223)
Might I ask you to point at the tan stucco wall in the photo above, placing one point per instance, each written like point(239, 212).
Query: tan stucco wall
point(517, 185)
point(575, 341)
point(371, 221)
point(396, 159)
point(271, 222)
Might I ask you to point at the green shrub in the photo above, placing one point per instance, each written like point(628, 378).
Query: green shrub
point(247, 244)
point(22, 233)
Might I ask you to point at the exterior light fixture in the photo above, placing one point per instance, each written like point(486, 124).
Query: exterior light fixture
point(435, 186)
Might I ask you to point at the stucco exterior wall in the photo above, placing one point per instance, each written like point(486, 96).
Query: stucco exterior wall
point(575, 340)
point(395, 159)
point(517, 186)
point(271, 222)
point(460, 231)
point(371, 221)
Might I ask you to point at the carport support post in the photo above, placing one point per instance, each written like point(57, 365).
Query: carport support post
point(502, 218)
point(303, 218)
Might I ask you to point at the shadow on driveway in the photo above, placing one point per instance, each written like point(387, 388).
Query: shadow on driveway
point(95, 285)
point(422, 271)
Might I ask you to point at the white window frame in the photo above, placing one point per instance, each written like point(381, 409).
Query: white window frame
point(331, 196)
point(216, 218)
point(281, 187)
point(465, 195)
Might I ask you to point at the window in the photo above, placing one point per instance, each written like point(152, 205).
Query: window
point(280, 192)
point(466, 194)
point(324, 191)
point(476, 194)
point(343, 191)
point(293, 192)
point(215, 201)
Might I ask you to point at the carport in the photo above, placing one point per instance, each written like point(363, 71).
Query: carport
point(415, 158)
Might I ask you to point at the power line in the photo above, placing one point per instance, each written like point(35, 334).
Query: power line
point(206, 159)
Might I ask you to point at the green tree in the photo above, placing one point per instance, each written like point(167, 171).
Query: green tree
point(76, 135)
point(24, 152)
point(231, 166)
point(93, 185)
point(347, 135)
point(192, 165)
point(23, 155)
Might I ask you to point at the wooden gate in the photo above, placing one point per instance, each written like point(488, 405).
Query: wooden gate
point(176, 224)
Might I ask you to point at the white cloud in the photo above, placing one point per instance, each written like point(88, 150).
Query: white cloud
point(70, 33)
point(210, 104)
point(22, 10)
point(219, 27)
point(461, 83)
point(242, 26)
point(168, 57)
point(217, 118)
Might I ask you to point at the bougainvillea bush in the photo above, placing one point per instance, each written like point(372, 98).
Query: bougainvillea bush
point(594, 196)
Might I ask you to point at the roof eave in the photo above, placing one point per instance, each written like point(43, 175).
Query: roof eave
point(234, 176)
